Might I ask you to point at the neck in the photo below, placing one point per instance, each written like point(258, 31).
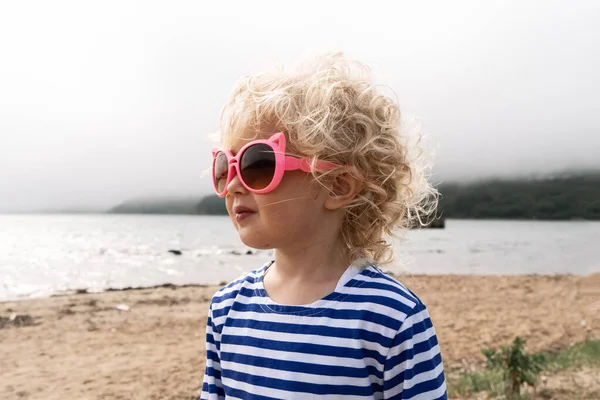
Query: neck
point(319, 262)
point(305, 275)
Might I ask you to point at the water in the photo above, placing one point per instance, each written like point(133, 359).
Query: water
point(43, 254)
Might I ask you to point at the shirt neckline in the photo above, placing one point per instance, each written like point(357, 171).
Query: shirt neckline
point(318, 306)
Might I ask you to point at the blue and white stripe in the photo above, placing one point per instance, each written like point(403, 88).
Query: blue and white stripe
point(370, 339)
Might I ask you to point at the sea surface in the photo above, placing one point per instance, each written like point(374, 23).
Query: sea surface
point(44, 254)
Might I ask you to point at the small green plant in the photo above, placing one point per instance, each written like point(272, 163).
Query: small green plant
point(492, 380)
point(516, 365)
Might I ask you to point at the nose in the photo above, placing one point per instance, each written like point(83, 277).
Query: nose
point(235, 186)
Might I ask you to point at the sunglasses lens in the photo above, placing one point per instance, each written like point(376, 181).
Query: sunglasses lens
point(220, 171)
point(257, 166)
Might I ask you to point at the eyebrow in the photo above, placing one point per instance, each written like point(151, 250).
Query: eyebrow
point(244, 142)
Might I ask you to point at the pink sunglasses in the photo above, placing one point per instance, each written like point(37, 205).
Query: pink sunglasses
point(260, 165)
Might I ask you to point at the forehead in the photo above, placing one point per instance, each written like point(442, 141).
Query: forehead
point(234, 141)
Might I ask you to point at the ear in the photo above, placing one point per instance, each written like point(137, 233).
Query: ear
point(344, 189)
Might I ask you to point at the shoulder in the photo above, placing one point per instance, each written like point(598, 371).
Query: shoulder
point(225, 298)
point(232, 289)
point(244, 285)
point(384, 293)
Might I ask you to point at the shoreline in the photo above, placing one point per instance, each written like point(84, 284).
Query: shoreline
point(149, 342)
point(170, 285)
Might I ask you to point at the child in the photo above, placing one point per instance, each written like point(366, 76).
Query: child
point(313, 166)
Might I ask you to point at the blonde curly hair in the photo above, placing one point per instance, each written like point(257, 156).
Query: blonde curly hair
point(330, 111)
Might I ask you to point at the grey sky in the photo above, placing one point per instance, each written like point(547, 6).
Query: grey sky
point(104, 101)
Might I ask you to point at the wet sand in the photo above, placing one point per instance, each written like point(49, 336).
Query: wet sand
point(82, 346)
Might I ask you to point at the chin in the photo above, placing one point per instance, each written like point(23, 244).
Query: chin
point(254, 242)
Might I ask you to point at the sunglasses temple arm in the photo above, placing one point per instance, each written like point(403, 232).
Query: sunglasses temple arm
point(293, 163)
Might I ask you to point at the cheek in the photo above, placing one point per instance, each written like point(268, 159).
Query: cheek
point(293, 204)
point(288, 212)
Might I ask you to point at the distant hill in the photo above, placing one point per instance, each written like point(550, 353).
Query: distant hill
point(157, 206)
point(211, 205)
point(566, 196)
point(560, 197)
point(208, 205)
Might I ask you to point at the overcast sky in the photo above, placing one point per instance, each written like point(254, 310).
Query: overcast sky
point(104, 101)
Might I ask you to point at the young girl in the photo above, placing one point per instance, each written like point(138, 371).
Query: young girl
point(313, 165)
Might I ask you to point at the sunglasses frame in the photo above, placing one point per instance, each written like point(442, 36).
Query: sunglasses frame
point(283, 163)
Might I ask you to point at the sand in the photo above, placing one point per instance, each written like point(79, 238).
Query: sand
point(81, 346)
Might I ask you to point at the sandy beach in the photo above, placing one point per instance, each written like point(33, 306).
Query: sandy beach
point(149, 343)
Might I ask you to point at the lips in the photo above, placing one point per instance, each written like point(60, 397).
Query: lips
point(242, 209)
point(242, 212)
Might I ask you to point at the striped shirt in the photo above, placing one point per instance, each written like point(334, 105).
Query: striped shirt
point(371, 338)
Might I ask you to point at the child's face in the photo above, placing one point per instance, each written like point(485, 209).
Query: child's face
point(288, 217)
